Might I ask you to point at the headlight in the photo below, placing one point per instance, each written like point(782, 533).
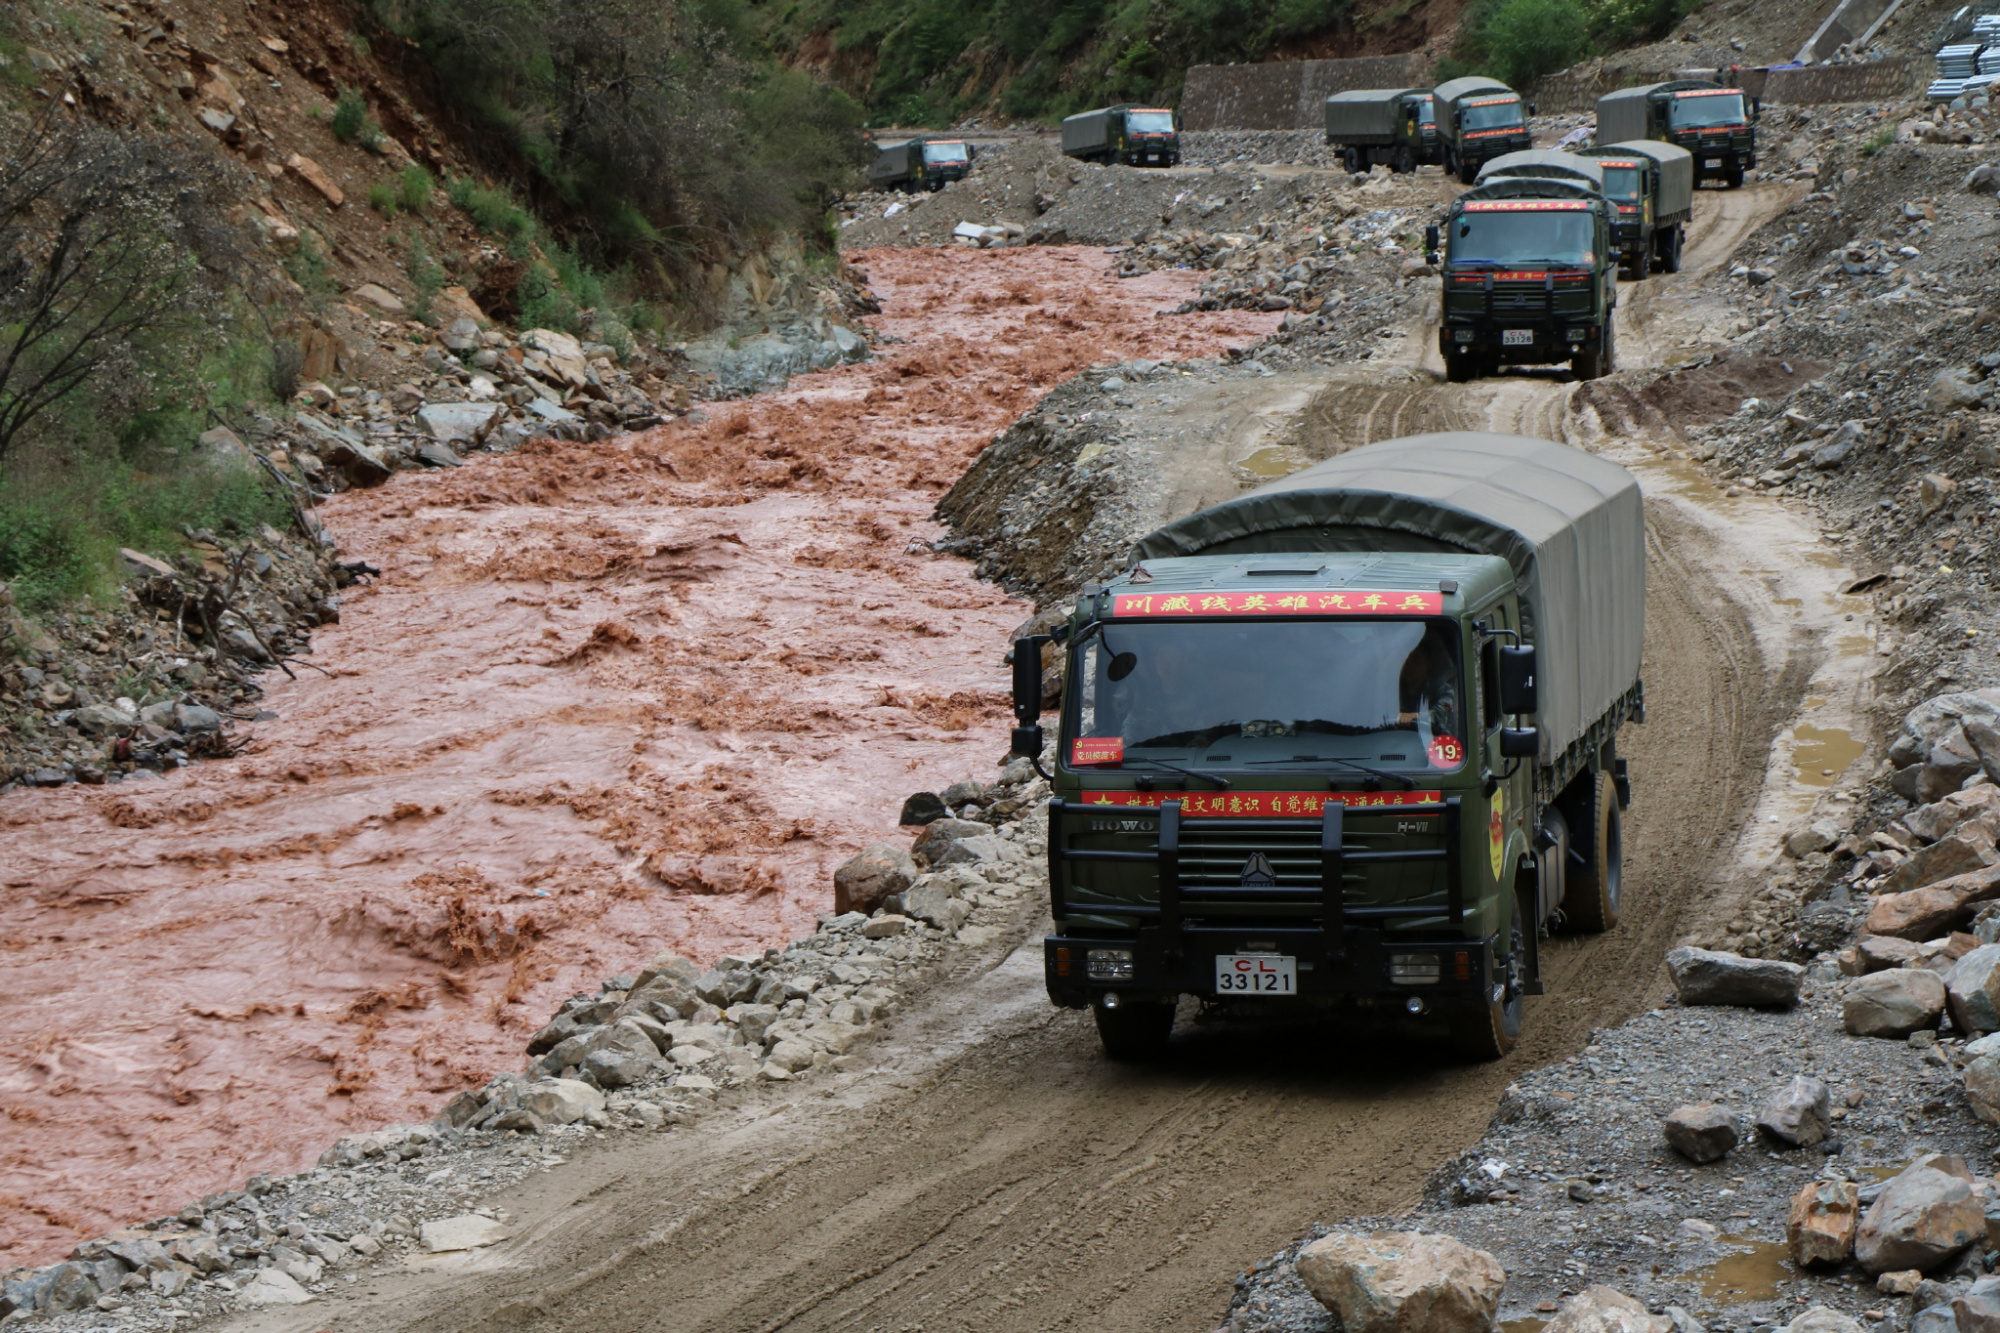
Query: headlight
point(1579, 335)
point(1414, 969)
point(1116, 965)
point(1461, 335)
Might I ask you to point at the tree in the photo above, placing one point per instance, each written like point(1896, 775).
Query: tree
point(111, 247)
point(1525, 39)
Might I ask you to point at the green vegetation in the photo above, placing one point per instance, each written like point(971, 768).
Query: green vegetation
point(414, 189)
point(352, 121)
point(1519, 41)
point(1879, 140)
point(427, 276)
point(382, 198)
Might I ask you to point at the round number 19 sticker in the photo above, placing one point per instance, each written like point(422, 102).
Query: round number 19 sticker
point(1446, 752)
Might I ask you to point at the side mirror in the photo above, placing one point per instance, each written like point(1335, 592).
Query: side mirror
point(1520, 742)
point(1027, 740)
point(1531, 109)
point(1431, 239)
point(1517, 680)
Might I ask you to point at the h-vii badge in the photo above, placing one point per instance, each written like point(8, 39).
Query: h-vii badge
point(1257, 873)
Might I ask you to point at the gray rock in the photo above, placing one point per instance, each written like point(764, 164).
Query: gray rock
point(1976, 1310)
point(924, 807)
point(985, 849)
point(1951, 389)
point(1704, 976)
point(559, 1101)
point(1924, 1216)
point(872, 875)
point(1982, 179)
point(932, 902)
point(462, 336)
point(455, 423)
point(1702, 1132)
point(104, 720)
point(849, 345)
point(1937, 1319)
point(1799, 1113)
point(171, 1282)
point(71, 1288)
point(1973, 991)
point(1894, 1003)
point(937, 838)
point(272, 1286)
point(963, 793)
point(1982, 1084)
point(1402, 1282)
point(1809, 838)
point(753, 1020)
point(195, 720)
point(617, 1069)
point(468, 1231)
point(438, 454)
point(1821, 1319)
point(1601, 1309)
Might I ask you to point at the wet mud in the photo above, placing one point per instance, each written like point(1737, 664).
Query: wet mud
point(605, 699)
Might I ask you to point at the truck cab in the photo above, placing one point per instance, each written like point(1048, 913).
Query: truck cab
point(1479, 119)
point(1530, 278)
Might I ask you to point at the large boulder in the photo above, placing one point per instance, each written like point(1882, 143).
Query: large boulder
point(1976, 1310)
point(1823, 1319)
point(559, 1101)
point(930, 900)
point(1705, 976)
point(1799, 1113)
point(1601, 1309)
point(1934, 821)
point(1982, 1087)
point(272, 1286)
point(876, 872)
point(1969, 847)
point(1402, 1282)
point(1937, 909)
point(1820, 1228)
point(1702, 1132)
point(939, 835)
point(1973, 991)
point(1893, 1004)
point(1924, 1216)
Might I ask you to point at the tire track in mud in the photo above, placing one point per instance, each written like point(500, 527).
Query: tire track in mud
point(987, 1170)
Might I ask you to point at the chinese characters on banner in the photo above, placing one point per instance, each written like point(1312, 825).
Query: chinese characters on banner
point(1259, 804)
point(1279, 604)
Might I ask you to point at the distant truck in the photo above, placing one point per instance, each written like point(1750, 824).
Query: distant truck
point(923, 163)
point(1530, 275)
point(1348, 743)
point(1651, 184)
point(1392, 127)
point(1478, 118)
point(1717, 125)
point(1136, 136)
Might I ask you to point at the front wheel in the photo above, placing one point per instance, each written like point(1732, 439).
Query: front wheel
point(1461, 368)
point(1136, 1030)
point(1404, 162)
point(1591, 899)
point(1733, 178)
point(1486, 1029)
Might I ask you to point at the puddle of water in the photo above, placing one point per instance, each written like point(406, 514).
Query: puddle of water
point(1753, 1273)
point(1529, 1324)
point(1822, 753)
point(1275, 460)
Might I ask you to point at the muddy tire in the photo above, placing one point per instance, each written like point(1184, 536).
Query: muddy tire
point(1404, 162)
point(1461, 369)
point(1351, 158)
point(1591, 900)
point(1488, 1030)
point(1733, 178)
point(1136, 1030)
point(1674, 246)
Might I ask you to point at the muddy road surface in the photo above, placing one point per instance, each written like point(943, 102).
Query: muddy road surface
point(983, 1168)
point(603, 700)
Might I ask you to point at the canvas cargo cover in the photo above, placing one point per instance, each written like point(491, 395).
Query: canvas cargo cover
point(1544, 162)
point(892, 161)
point(1369, 114)
point(1626, 114)
point(1571, 524)
point(1448, 93)
point(1676, 194)
point(1088, 130)
point(1529, 187)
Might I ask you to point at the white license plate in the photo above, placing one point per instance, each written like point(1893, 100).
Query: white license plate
point(1711, 162)
point(1256, 974)
point(1517, 337)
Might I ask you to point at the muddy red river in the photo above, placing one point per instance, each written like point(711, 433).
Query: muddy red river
point(604, 699)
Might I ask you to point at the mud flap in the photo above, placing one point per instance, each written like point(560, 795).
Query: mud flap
point(1531, 967)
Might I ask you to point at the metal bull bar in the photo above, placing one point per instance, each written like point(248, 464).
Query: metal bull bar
point(1334, 858)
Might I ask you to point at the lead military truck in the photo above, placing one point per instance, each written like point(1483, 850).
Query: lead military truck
point(1713, 123)
point(922, 163)
point(1478, 118)
point(1530, 273)
point(1348, 743)
point(1392, 127)
point(1137, 136)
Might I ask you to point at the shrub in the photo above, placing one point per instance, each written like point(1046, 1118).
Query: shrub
point(414, 189)
point(307, 266)
point(382, 198)
point(352, 122)
point(1879, 140)
point(427, 276)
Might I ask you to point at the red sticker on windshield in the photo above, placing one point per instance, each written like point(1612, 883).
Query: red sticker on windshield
point(1446, 752)
point(1097, 750)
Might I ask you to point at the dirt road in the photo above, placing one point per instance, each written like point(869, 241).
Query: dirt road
point(983, 1169)
point(604, 699)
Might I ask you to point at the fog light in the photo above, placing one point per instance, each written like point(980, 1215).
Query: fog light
point(1415, 1004)
point(1108, 964)
point(1414, 969)
point(1110, 1000)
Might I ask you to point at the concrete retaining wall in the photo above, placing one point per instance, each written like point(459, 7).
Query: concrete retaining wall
point(1286, 94)
point(1577, 88)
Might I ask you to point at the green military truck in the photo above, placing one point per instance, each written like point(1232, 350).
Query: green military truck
point(923, 163)
point(1717, 125)
point(1478, 118)
point(1137, 136)
point(1530, 275)
point(1651, 184)
point(1392, 127)
point(1348, 743)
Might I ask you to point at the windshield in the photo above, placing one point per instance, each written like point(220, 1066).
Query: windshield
point(944, 152)
point(1149, 122)
point(1427, 111)
point(1384, 693)
point(1622, 184)
point(1699, 109)
point(1502, 113)
point(1541, 236)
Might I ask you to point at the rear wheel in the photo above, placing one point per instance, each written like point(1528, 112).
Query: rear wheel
point(1674, 244)
point(1351, 158)
point(1591, 901)
point(1450, 162)
point(1404, 162)
point(1136, 1030)
point(1486, 1028)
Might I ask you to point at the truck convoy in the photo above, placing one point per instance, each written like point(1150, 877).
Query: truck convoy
point(1478, 118)
point(1348, 743)
point(923, 163)
point(1651, 184)
point(1714, 123)
point(1529, 270)
point(1137, 136)
point(1392, 127)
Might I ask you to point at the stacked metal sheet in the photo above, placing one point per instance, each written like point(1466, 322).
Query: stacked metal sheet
point(1960, 61)
point(1989, 60)
point(1986, 28)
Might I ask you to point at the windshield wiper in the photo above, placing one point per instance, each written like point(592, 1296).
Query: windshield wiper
point(1221, 783)
point(1409, 784)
